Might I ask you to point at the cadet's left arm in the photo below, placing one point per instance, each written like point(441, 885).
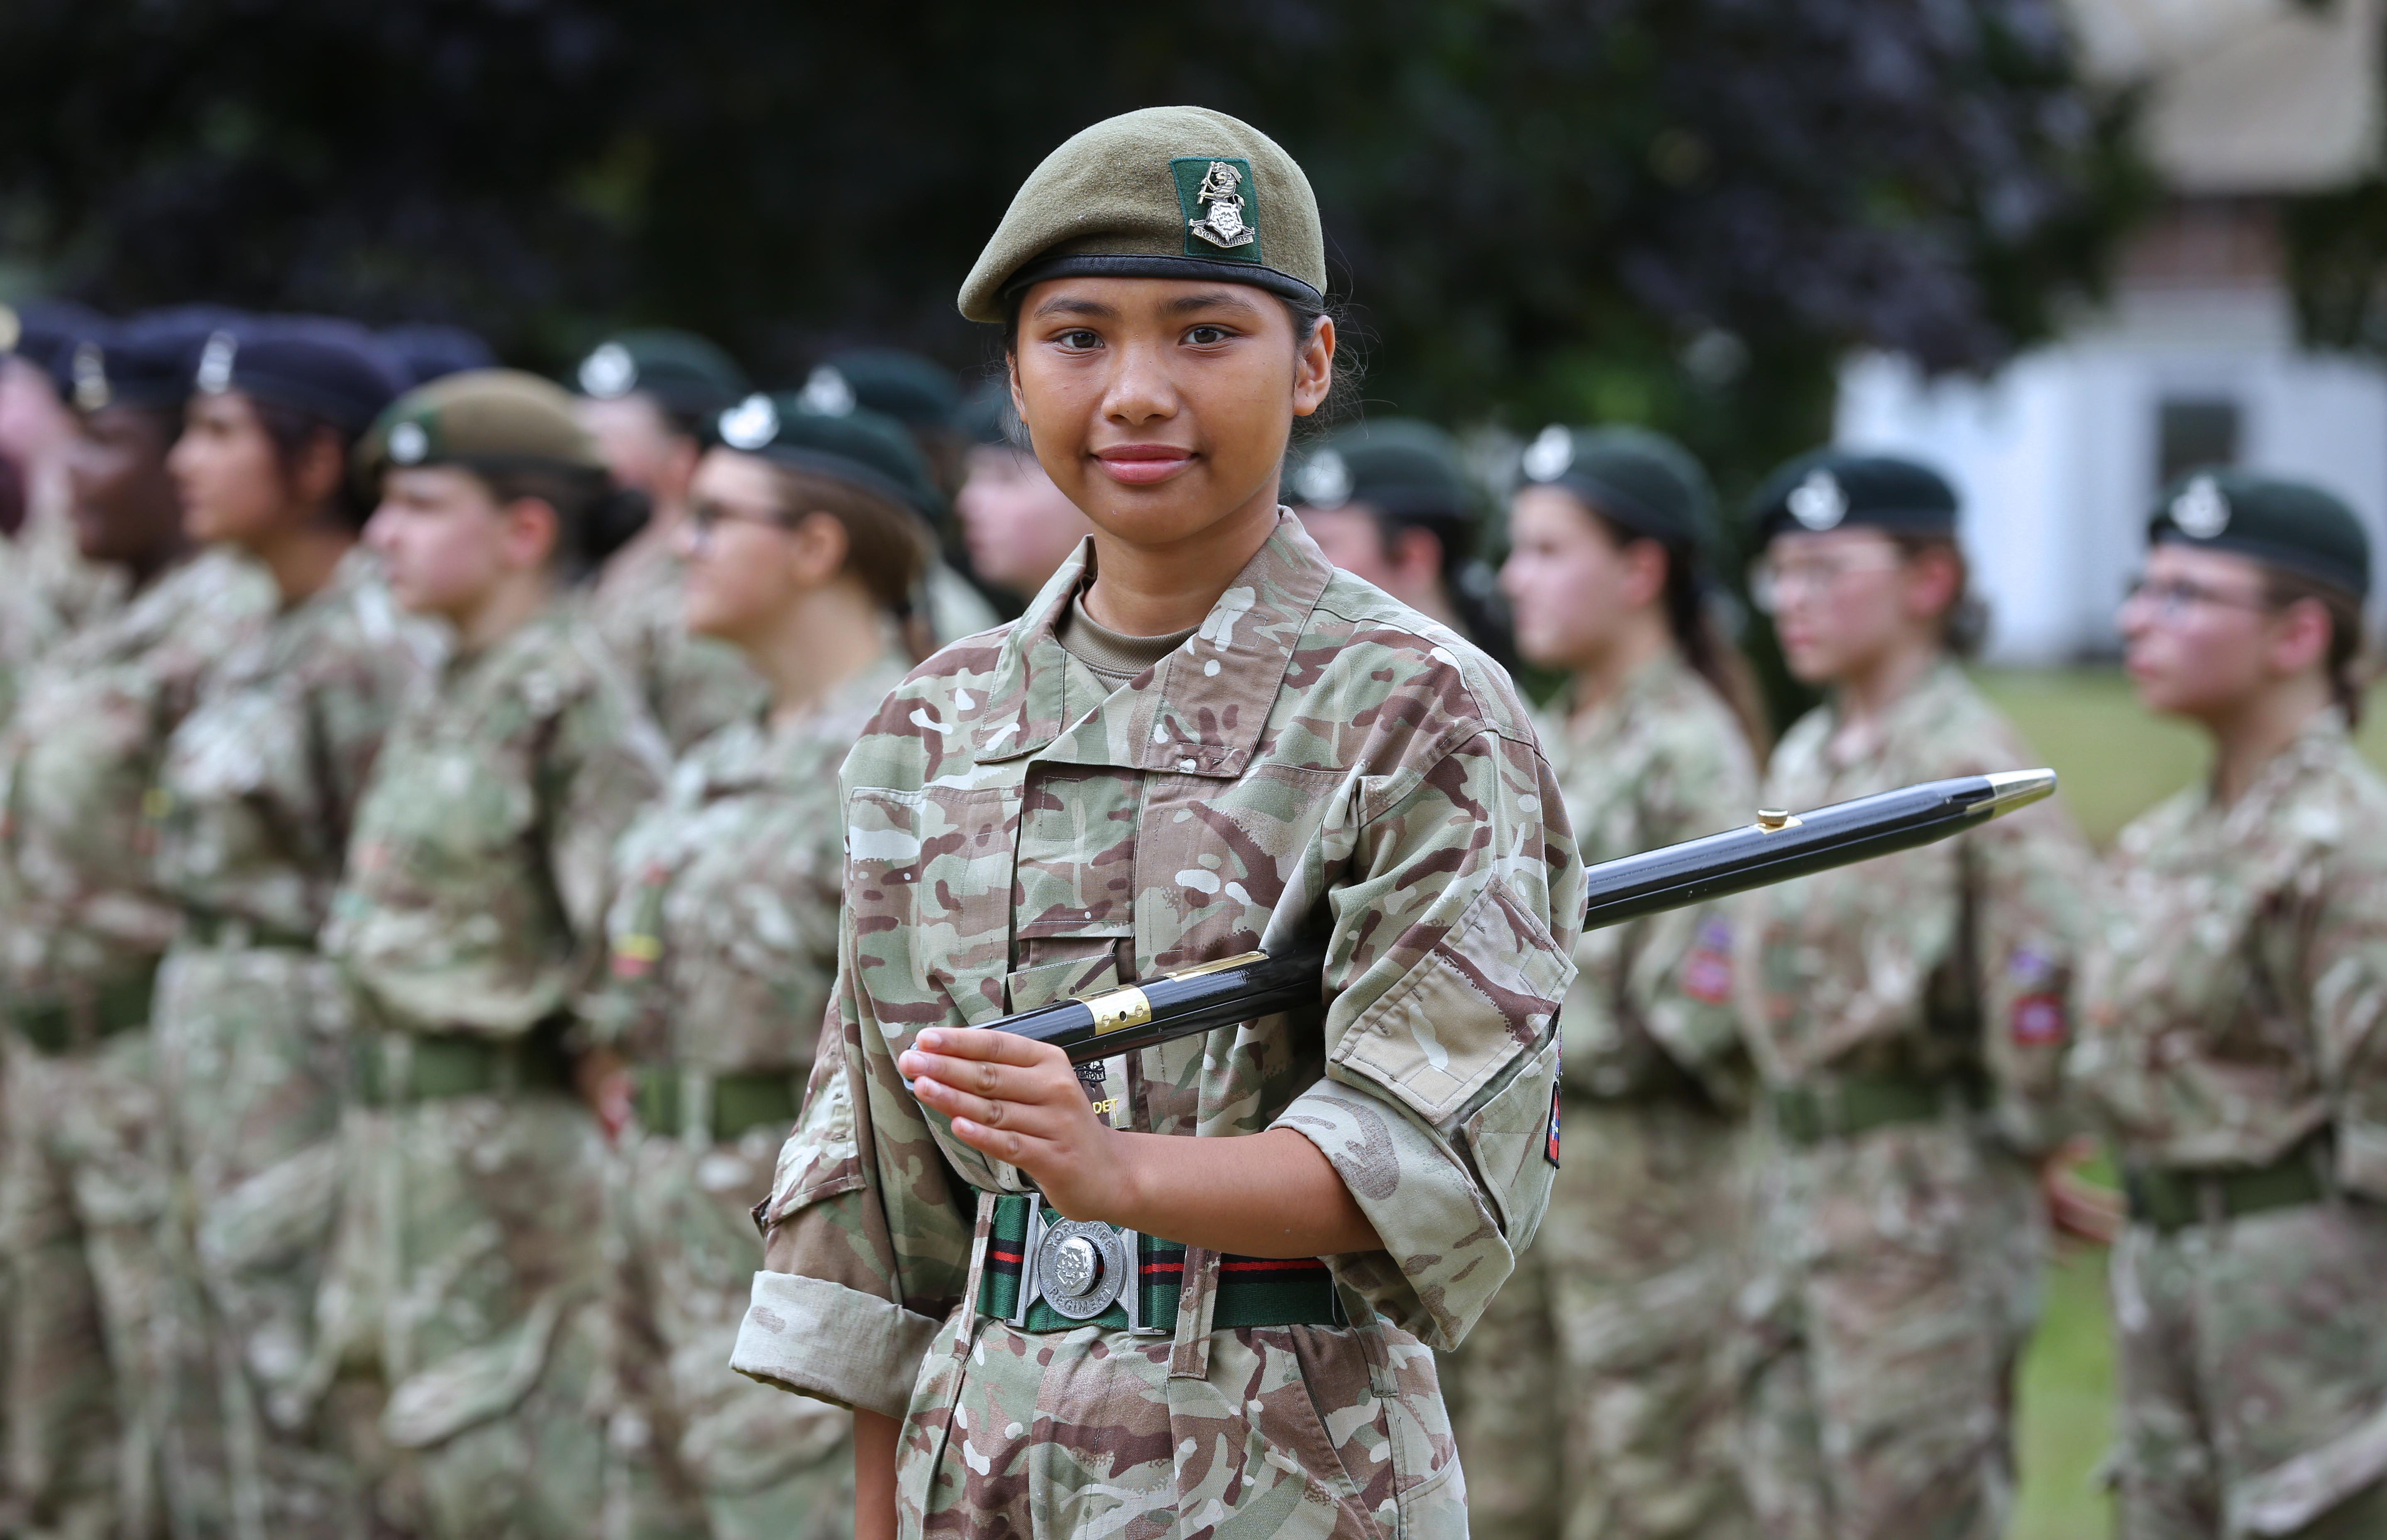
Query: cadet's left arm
point(2029, 875)
point(607, 762)
point(2345, 981)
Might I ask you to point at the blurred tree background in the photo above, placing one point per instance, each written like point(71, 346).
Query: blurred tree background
point(1672, 211)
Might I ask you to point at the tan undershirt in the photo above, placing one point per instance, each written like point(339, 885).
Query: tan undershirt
point(1114, 655)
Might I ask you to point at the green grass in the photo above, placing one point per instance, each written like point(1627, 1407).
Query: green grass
point(2114, 761)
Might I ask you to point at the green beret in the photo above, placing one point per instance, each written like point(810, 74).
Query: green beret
point(1169, 192)
point(1399, 467)
point(1639, 480)
point(1832, 488)
point(985, 417)
point(2288, 525)
point(915, 391)
point(492, 419)
point(685, 374)
point(860, 448)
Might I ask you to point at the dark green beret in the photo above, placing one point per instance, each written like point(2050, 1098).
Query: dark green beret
point(1396, 466)
point(861, 449)
point(985, 417)
point(1829, 488)
point(2288, 525)
point(491, 419)
point(1642, 481)
point(1169, 192)
point(917, 392)
point(685, 374)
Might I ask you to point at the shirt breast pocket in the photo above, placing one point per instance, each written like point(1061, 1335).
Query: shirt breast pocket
point(927, 887)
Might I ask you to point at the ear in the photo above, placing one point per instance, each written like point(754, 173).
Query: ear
point(2299, 639)
point(817, 546)
point(1313, 370)
point(1646, 567)
point(1416, 554)
point(529, 531)
point(320, 465)
point(1933, 584)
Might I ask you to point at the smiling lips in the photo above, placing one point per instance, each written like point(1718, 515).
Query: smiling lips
point(1143, 464)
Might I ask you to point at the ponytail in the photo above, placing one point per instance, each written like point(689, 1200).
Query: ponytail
point(1699, 633)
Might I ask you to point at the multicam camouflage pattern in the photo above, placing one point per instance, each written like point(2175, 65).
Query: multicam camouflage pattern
point(692, 686)
point(253, 1027)
point(724, 941)
point(1015, 832)
point(1626, 1429)
point(1897, 1267)
point(2231, 1008)
point(47, 590)
point(82, 920)
point(477, 882)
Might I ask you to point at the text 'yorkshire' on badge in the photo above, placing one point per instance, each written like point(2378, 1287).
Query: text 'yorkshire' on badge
point(1221, 208)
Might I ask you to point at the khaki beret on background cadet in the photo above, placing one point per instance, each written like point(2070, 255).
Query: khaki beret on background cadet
point(491, 419)
point(2282, 524)
point(1830, 488)
point(1642, 482)
point(1167, 192)
point(685, 376)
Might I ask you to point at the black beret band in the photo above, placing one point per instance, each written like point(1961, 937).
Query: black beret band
point(2288, 559)
point(1191, 269)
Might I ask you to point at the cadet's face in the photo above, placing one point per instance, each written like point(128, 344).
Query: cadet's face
point(1841, 601)
point(1018, 525)
point(443, 538)
point(639, 444)
point(124, 504)
point(2195, 633)
point(739, 579)
point(226, 470)
point(1161, 407)
point(35, 424)
point(1570, 584)
point(1353, 540)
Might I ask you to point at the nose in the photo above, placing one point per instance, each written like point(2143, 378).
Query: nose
point(1139, 389)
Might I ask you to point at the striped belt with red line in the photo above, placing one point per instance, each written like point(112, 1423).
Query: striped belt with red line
point(1252, 1291)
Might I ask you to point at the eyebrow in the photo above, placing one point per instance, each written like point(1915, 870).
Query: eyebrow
point(1209, 299)
point(1223, 299)
point(1065, 304)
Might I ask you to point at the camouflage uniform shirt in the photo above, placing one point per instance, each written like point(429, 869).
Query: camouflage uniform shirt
point(693, 684)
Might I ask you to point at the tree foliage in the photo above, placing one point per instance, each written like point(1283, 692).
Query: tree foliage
point(1679, 212)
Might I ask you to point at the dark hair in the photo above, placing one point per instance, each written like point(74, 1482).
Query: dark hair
point(2347, 664)
point(597, 517)
point(292, 430)
point(1964, 625)
point(1698, 634)
point(885, 548)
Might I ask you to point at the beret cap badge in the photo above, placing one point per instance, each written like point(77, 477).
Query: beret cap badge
point(1818, 502)
point(408, 443)
point(90, 372)
point(608, 371)
point(2201, 510)
point(1220, 199)
point(214, 376)
point(751, 424)
point(827, 391)
point(1325, 481)
point(1550, 454)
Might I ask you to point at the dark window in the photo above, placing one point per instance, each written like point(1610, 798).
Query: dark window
point(2192, 430)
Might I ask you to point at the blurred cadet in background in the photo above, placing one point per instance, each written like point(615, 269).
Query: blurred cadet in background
point(86, 1186)
point(46, 588)
point(2229, 1037)
point(470, 1267)
point(649, 398)
point(805, 548)
point(1596, 1398)
point(429, 349)
point(251, 819)
point(1017, 525)
point(1907, 1016)
point(923, 396)
point(1390, 501)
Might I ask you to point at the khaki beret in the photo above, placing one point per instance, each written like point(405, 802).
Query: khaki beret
point(1169, 192)
point(483, 419)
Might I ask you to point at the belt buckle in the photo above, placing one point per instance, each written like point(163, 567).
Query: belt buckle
point(1080, 1268)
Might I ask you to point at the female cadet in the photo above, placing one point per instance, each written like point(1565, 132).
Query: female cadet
point(252, 812)
point(2230, 1042)
point(1199, 737)
point(1626, 1429)
point(469, 918)
point(807, 540)
point(1907, 1018)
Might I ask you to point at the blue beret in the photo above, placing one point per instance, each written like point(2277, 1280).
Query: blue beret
point(329, 369)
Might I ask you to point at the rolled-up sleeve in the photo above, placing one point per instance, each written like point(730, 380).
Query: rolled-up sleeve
point(1450, 951)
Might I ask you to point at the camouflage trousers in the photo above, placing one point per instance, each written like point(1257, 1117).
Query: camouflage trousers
point(1894, 1287)
point(1595, 1399)
point(465, 1291)
point(253, 1054)
point(2253, 1376)
point(694, 1448)
point(81, 1195)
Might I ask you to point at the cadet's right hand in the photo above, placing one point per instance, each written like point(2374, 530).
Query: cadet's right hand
point(2076, 1206)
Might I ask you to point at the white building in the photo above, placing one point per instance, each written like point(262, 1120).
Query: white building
point(2195, 358)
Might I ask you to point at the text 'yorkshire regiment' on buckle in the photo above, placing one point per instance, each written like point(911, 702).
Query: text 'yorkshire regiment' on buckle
point(1079, 1269)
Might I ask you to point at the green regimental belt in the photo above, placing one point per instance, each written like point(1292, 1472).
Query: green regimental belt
point(1045, 1273)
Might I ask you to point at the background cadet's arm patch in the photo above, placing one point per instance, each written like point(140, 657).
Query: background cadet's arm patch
point(2039, 1021)
point(1550, 1149)
point(1707, 967)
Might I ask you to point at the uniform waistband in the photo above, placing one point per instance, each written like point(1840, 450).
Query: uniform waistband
point(2174, 1200)
point(1023, 1246)
point(671, 1097)
point(59, 1022)
point(1846, 1105)
point(395, 1066)
point(217, 930)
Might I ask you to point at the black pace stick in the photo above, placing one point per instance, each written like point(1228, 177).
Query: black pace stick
point(1779, 846)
